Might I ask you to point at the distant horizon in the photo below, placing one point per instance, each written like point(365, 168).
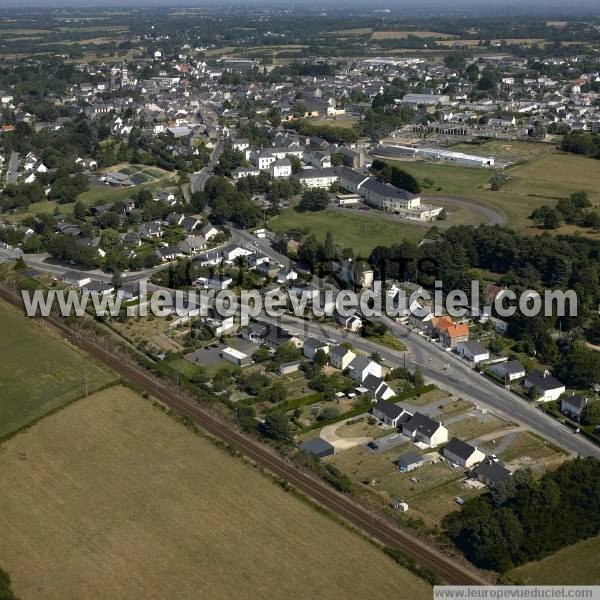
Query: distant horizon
point(577, 8)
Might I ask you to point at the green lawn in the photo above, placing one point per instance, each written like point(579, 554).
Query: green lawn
point(39, 372)
point(451, 179)
point(574, 565)
point(360, 231)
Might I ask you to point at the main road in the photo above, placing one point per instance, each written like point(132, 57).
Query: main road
point(452, 373)
point(198, 180)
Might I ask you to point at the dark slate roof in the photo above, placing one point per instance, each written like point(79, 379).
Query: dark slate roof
point(494, 471)
point(386, 189)
point(316, 446)
point(391, 411)
point(577, 401)
point(459, 448)
point(410, 458)
point(474, 347)
point(543, 381)
point(422, 423)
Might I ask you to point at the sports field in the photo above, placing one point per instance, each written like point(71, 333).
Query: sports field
point(110, 498)
point(39, 372)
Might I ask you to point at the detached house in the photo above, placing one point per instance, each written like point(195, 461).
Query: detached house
point(389, 413)
point(312, 346)
point(548, 388)
point(449, 333)
point(422, 428)
point(378, 388)
point(509, 370)
point(573, 406)
point(472, 351)
point(340, 357)
point(362, 366)
point(462, 454)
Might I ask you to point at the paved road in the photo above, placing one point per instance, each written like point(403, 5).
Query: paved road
point(198, 180)
point(452, 374)
point(439, 366)
point(494, 217)
point(12, 172)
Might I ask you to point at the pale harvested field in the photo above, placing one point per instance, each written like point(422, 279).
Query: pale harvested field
point(110, 498)
point(401, 35)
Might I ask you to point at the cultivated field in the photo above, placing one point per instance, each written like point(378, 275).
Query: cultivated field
point(110, 498)
point(402, 35)
point(38, 371)
point(574, 565)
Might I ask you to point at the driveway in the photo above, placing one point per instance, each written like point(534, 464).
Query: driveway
point(328, 433)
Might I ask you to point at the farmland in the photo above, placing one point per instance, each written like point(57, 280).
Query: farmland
point(137, 484)
point(573, 565)
point(60, 371)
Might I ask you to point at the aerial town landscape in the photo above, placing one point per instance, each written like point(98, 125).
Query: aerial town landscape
point(299, 301)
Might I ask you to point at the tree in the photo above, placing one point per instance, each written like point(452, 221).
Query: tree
point(6, 592)
point(277, 427)
point(79, 210)
point(320, 358)
point(117, 279)
point(590, 415)
point(405, 181)
point(329, 246)
point(314, 200)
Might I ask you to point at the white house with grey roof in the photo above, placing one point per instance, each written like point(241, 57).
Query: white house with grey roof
point(508, 370)
point(378, 387)
point(426, 430)
point(473, 351)
point(362, 366)
point(462, 454)
point(548, 387)
point(389, 413)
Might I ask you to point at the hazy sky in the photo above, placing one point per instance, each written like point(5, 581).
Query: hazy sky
point(416, 7)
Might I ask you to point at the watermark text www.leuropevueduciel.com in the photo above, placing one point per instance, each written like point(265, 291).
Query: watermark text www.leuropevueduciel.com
point(303, 303)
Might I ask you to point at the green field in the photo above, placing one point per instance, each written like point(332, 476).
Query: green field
point(574, 565)
point(359, 231)
point(38, 371)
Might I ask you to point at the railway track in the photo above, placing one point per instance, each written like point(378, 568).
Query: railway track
point(449, 570)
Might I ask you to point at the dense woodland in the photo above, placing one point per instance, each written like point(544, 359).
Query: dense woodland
point(524, 520)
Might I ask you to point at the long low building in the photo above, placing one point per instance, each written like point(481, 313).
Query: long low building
point(442, 155)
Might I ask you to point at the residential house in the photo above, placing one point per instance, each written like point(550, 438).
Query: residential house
point(573, 406)
point(312, 346)
point(389, 413)
point(548, 388)
point(449, 333)
point(378, 388)
point(362, 366)
point(151, 230)
point(166, 253)
point(409, 461)
point(76, 279)
point(472, 351)
point(353, 323)
point(426, 430)
point(491, 472)
point(462, 454)
point(340, 357)
point(98, 288)
point(508, 370)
